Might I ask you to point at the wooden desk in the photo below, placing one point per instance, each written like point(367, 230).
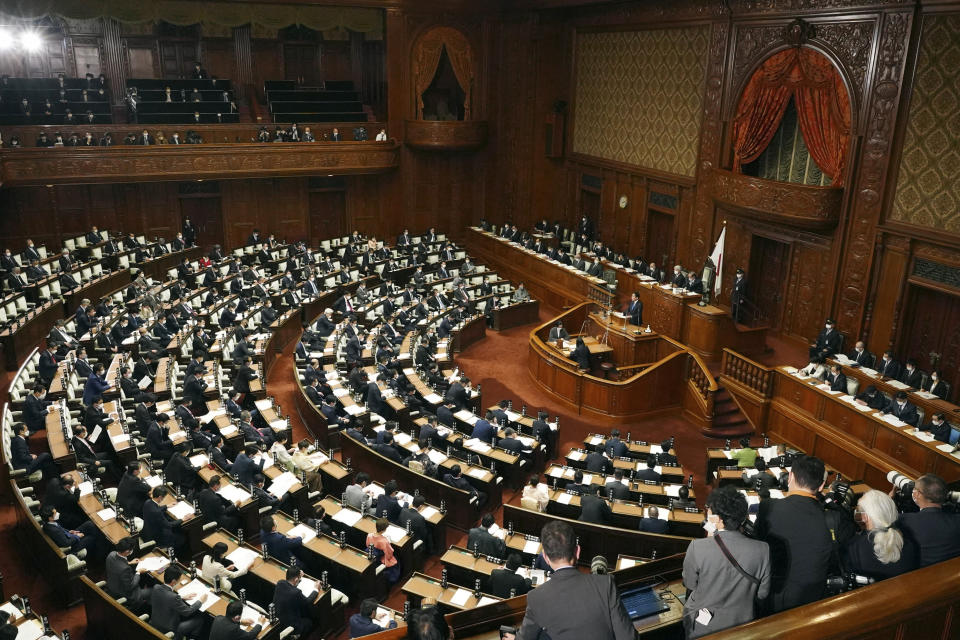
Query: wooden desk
point(555, 284)
point(650, 390)
point(421, 586)
point(858, 443)
point(515, 315)
point(111, 529)
point(469, 332)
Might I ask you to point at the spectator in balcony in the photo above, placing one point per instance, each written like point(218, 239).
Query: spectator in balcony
point(335, 136)
point(193, 137)
point(73, 140)
point(58, 139)
point(360, 134)
point(263, 135)
point(106, 140)
point(175, 138)
point(69, 118)
point(25, 108)
point(84, 96)
point(382, 136)
point(279, 135)
point(308, 135)
point(195, 95)
point(168, 95)
point(196, 116)
point(293, 134)
point(15, 142)
point(199, 73)
point(145, 138)
point(90, 118)
point(101, 94)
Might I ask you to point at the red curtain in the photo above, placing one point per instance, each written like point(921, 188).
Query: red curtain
point(823, 107)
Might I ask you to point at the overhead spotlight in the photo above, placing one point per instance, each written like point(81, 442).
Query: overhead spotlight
point(31, 41)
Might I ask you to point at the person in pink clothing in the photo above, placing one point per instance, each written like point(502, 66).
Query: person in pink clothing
point(384, 550)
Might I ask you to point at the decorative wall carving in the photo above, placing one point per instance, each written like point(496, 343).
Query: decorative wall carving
point(432, 135)
point(125, 164)
point(850, 42)
point(771, 6)
point(792, 204)
point(701, 224)
point(873, 169)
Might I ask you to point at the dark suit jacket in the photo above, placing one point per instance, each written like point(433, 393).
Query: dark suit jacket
point(223, 628)
point(35, 413)
point(911, 379)
point(597, 463)
point(654, 525)
point(618, 490)
point(488, 544)
point(828, 342)
point(863, 358)
point(132, 493)
point(502, 580)
point(156, 525)
point(907, 414)
point(574, 606)
point(292, 607)
point(418, 524)
point(800, 549)
point(168, 609)
point(594, 509)
point(122, 578)
point(890, 369)
point(935, 532)
point(838, 382)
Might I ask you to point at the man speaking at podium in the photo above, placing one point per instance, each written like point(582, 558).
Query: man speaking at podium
point(634, 309)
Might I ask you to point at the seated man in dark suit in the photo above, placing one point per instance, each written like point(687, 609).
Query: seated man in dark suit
point(505, 582)
point(455, 479)
point(828, 341)
point(293, 609)
point(21, 458)
point(84, 538)
point(596, 462)
point(482, 540)
point(615, 487)
point(511, 443)
point(593, 506)
point(362, 624)
point(902, 408)
point(836, 379)
point(123, 581)
point(418, 524)
point(216, 508)
point(888, 367)
point(910, 375)
point(578, 486)
point(132, 492)
point(940, 429)
point(168, 610)
point(860, 355)
point(228, 627)
point(388, 506)
point(651, 523)
point(650, 472)
point(935, 532)
point(63, 495)
point(387, 448)
point(761, 479)
point(35, 409)
point(872, 397)
point(156, 525)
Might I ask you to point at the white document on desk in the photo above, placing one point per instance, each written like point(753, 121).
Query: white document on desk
point(243, 558)
point(564, 498)
point(181, 510)
point(460, 597)
point(531, 546)
point(348, 517)
point(303, 532)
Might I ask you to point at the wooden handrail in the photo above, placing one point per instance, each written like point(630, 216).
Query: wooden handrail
point(919, 604)
point(753, 375)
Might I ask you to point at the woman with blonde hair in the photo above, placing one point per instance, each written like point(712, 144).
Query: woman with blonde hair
point(879, 551)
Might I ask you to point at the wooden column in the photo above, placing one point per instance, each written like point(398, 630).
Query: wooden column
point(113, 61)
point(397, 63)
point(243, 59)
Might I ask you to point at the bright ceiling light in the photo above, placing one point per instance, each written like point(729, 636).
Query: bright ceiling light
point(31, 41)
point(6, 39)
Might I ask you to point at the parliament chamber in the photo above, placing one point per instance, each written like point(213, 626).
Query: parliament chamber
point(409, 318)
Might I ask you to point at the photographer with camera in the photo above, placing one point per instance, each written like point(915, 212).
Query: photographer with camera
point(880, 550)
point(935, 531)
point(800, 543)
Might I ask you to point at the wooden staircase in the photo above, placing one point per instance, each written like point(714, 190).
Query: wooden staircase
point(728, 421)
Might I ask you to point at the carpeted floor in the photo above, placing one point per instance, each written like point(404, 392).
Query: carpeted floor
point(498, 363)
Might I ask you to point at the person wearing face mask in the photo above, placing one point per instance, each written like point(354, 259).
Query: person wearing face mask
point(942, 430)
point(935, 385)
point(902, 408)
point(911, 376)
point(888, 367)
point(860, 355)
point(880, 550)
point(936, 532)
point(828, 341)
point(726, 572)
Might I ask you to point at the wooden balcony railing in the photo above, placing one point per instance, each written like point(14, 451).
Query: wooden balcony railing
point(748, 373)
point(796, 205)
